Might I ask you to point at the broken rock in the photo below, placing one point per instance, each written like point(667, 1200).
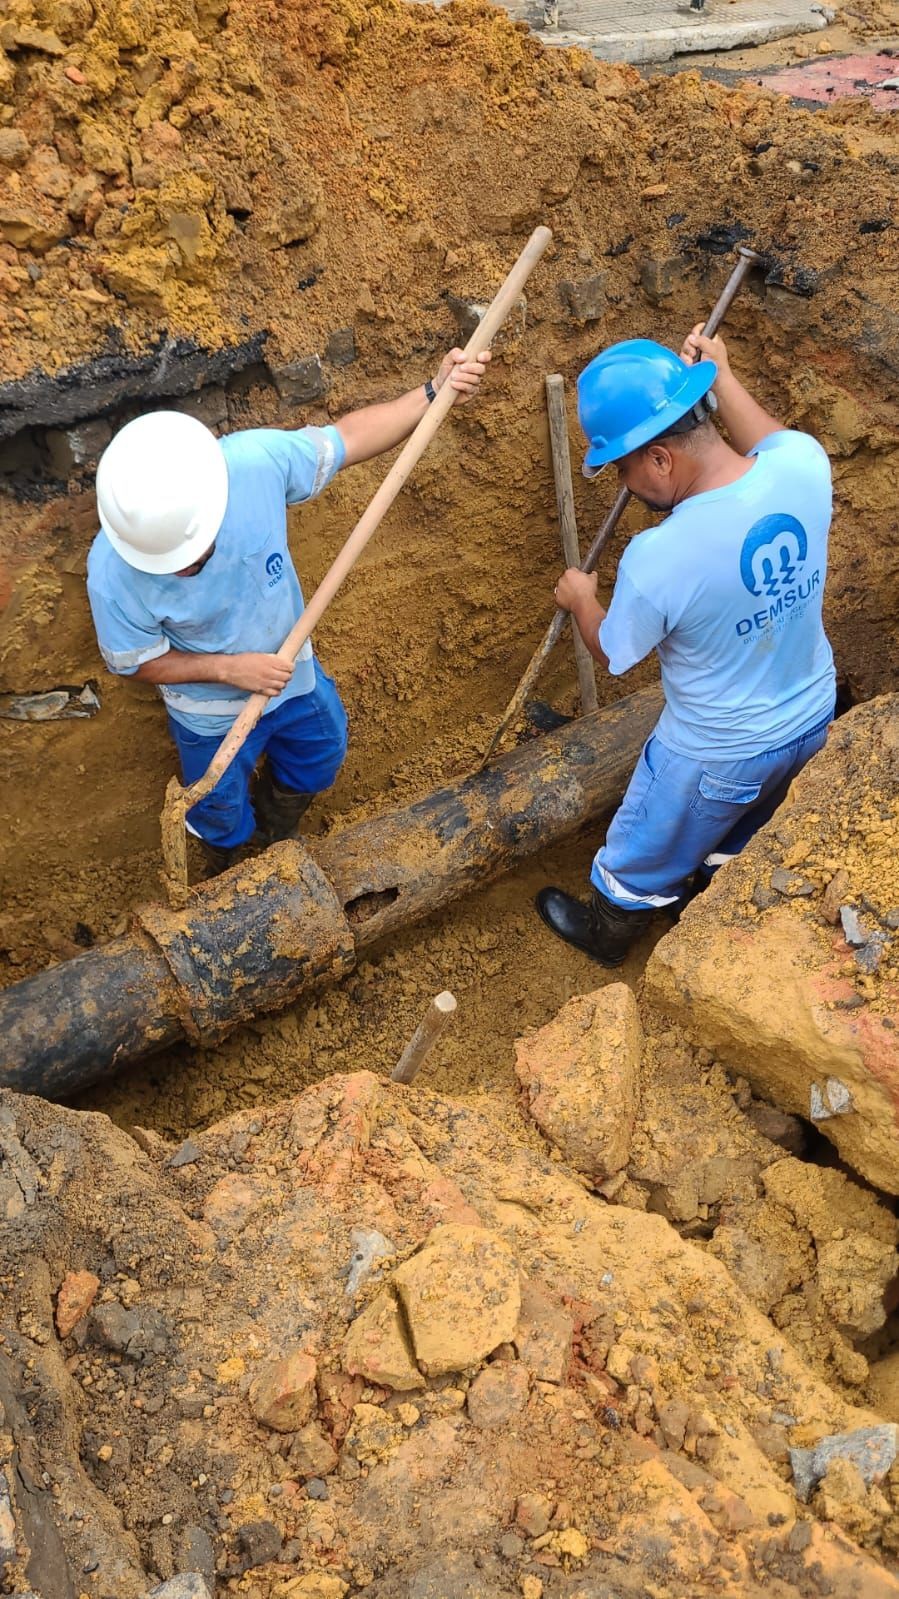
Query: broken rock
point(302, 381)
point(74, 1300)
point(260, 1541)
point(498, 1394)
point(871, 1449)
point(774, 995)
point(581, 1076)
point(28, 228)
point(585, 301)
point(461, 1297)
point(778, 1127)
point(7, 1523)
point(376, 1346)
point(283, 1395)
point(186, 1585)
point(14, 147)
point(759, 1000)
point(311, 1454)
point(543, 1336)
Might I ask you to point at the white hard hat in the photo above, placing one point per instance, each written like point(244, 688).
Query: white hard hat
point(162, 490)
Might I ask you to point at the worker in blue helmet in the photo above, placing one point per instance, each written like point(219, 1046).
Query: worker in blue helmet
point(727, 590)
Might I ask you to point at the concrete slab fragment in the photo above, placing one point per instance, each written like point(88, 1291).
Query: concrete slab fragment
point(641, 31)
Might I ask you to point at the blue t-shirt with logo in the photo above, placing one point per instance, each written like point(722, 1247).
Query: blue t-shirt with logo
point(728, 590)
point(247, 596)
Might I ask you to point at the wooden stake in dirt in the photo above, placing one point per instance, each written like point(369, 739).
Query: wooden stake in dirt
point(748, 259)
point(558, 439)
point(178, 800)
point(433, 1023)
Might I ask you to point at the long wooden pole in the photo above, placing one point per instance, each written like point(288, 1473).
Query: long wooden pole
point(747, 259)
point(179, 800)
point(561, 456)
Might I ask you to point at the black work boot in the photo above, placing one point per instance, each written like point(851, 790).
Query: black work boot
point(220, 859)
point(602, 930)
point(278, 810)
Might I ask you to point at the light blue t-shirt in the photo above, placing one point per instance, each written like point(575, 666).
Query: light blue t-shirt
point(247, 596)
point(728, 590)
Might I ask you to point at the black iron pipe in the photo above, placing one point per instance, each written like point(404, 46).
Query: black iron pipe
point(286, 923)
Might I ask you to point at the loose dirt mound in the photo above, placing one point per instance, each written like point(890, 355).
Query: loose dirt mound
point(203, 156)
point(615, 1440)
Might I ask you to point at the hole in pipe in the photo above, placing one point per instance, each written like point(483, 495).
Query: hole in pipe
point(365, 906)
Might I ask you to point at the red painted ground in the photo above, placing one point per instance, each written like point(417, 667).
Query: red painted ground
point(835, 77)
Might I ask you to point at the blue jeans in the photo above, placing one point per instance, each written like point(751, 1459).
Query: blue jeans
point(679, 814)
point(305, 741)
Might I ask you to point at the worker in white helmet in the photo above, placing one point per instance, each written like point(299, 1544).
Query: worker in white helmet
point(192, 587)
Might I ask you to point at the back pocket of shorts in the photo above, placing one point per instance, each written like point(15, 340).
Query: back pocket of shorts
point(716, 791)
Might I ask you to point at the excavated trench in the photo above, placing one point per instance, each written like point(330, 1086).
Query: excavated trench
point(270, 215)
point(463, 571)
point(278, 312)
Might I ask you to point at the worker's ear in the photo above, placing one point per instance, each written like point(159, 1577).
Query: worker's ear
point(660, 457)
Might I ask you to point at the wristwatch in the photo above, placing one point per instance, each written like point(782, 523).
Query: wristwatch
point(430, 392)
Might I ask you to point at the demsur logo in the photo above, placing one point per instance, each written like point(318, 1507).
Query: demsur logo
point(275, 568)
point(772, 563)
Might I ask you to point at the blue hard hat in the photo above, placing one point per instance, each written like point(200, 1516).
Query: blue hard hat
point(634, 392)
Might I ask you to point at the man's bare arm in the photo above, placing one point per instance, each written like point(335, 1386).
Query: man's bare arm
point(746, 421)
point(255, 672)
point(376, 428)
point(576, 592)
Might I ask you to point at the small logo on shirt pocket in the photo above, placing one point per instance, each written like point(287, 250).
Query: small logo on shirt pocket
point(274, 566)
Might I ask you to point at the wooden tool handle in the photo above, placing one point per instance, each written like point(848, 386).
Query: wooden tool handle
point(748, 259)
point(561, 458)
point(440, 1011)
point(413, 449)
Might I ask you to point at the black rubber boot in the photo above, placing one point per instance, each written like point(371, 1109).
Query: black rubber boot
point(278, 810)
point(696, 884)
point(220, 859)
point(601, 929)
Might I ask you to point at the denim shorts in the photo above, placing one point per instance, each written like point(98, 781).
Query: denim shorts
point(305, 741)
point(680, 814)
